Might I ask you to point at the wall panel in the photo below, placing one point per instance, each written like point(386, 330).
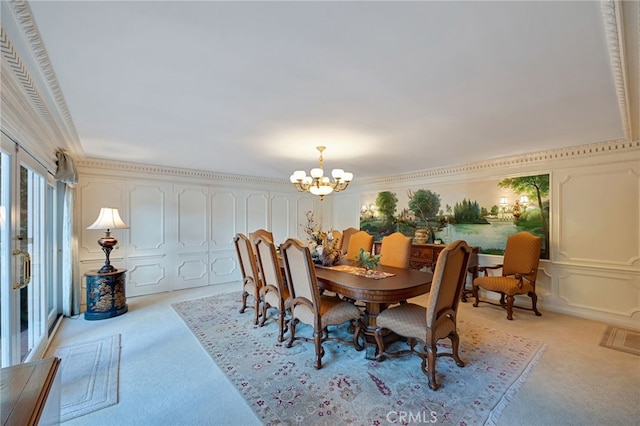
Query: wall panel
point(192, 240)
point(147, 261)
point(281, 218)
point(257, 210)
point(599, 209)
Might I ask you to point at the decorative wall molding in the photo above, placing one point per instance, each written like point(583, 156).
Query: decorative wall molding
point(613, 32)
point(68, 136)
point(91, 165)
point(543, 158)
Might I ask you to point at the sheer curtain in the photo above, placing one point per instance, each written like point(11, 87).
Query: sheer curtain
point(67, 174)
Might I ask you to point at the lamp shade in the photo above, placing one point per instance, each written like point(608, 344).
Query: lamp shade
point(109, 218)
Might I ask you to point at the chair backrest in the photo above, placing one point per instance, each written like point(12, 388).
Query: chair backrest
point(247, 259)
point(395, 250)
point(448, 279)
point(346, 236)
point(360, 239)
point(301, 280)
point(269, 264)
point(253, 236)
point(522, 255)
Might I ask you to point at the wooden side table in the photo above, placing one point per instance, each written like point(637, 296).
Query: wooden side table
point(105, 294)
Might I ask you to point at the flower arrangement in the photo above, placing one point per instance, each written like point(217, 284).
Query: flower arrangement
point(321, 243)
point(367, 260)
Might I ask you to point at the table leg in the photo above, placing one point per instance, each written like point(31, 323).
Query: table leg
point(370, 323)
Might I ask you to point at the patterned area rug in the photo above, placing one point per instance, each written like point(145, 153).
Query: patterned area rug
point(621, 339)
point(89, 376)
point(281, 385)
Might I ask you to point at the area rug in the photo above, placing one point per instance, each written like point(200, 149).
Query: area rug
point(88, 376)
point(621, 339)
point(282, 387)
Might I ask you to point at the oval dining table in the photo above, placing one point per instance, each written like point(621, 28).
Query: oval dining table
point(376, 294)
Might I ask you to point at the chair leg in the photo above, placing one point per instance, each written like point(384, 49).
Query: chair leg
point(263, 313)
point(256, 308)
point(281, 325)
point(475, 295)
point(356, 334)
point(534, 302)
point(509, 306)
point(380, 343)
point(317, 338)
point(244, 302)
point(430, 360)
point(455, 343)
point(292, 331)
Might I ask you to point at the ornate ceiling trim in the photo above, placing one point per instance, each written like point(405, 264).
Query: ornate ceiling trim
point(40, 85)
point(612, 20)
point(92, 165)
point(570, 153)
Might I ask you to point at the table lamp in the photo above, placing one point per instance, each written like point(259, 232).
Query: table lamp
point(108, 219)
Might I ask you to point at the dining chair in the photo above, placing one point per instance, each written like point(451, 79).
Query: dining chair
point(253, 236)
point(395, 250)
point(311, 308)
point(519, 272)
point(250, 274)
point(274, 292)
point(434, 322)
point(357, 241)
point(346, 236)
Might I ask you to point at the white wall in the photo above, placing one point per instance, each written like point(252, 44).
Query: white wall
point(182, 223)
point(594, 267)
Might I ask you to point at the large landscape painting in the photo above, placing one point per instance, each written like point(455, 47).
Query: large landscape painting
point(482, 213)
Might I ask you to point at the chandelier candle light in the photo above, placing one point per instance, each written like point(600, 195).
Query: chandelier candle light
point(317, 183)
point(108, 219)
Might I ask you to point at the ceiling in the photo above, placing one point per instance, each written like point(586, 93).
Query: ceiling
point(389, 87)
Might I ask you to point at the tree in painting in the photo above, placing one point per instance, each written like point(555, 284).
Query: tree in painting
point(424, 204)
point(386, 203)
point(535, 187)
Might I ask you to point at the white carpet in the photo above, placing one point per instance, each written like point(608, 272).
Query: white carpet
point(88, 376)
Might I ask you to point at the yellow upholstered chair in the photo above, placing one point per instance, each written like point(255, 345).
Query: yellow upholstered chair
point(250, 274)
point(357, 241)
point(519, 272)
point(346, 236)
point(395, 250)
point(308, 306)
point(435, 322)
point(274, 292)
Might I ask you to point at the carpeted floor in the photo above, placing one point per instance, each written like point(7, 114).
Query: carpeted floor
point(89, 376)
point(281, 385)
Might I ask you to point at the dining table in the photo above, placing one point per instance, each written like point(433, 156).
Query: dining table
point(387, 286)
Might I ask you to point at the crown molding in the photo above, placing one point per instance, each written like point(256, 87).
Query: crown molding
point(542, 158)
point(26, 58)
point(612, 20)
point(603, 150)
point(92, 165)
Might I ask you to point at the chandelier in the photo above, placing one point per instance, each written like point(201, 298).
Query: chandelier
point(318, 183)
